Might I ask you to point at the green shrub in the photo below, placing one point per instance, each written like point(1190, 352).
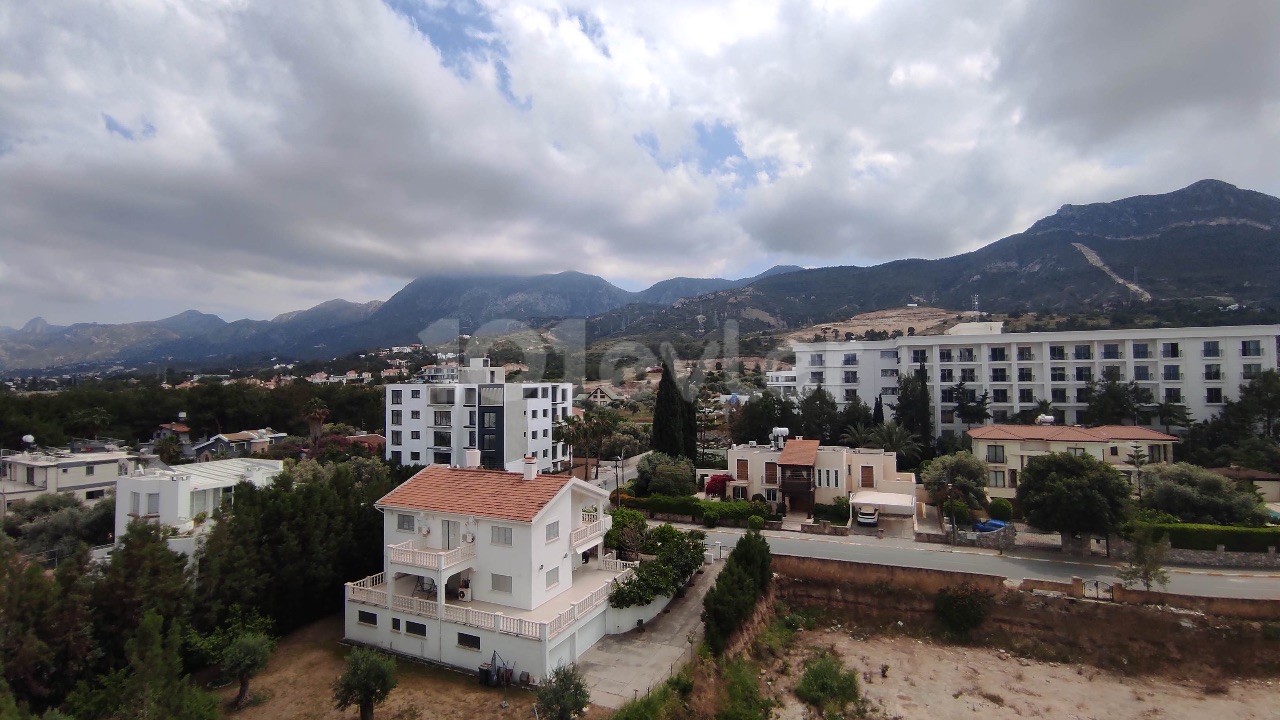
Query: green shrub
point(1000, 509)
point(710, 518)
point(956, 509)
point(1188, 536)
point(837, 512)
point(731, 600)
point(961, 608)
point(827, 686)
point(755, 523)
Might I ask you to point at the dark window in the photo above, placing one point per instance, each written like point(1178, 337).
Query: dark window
point(1058, 395)
point(1026, 396)
point(999, 354)
point(946, 375)
point(1213, 396)
point(1057, 352)
point(944, 355)
point(999, 375)
point(397, 397)
point(395, 624)
point(1025, 375)
point(1251, 348)
point(1211, 349)
point(416, 628)
point(364, 617)
point(95, 494)
point(471, 642)
point(1000, 395)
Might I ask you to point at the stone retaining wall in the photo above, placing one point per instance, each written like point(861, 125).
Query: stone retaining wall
point(1123, 550)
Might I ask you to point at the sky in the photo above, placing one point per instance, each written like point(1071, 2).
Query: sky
point(252, 158)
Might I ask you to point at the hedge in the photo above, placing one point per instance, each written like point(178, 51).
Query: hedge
point(836, 513)
point(733, 510)
point(1190, 536)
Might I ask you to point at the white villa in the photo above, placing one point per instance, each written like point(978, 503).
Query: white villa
point(480, 561)
point(185, 497)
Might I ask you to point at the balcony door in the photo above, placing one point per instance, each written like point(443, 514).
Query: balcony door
point(452, 533)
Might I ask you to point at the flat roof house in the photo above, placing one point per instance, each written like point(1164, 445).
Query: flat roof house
point(478, 561)
point(88, 475)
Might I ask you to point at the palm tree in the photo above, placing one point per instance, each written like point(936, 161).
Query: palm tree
point(894, 437)
point(854, 436)
point(315, 412)
point(1172, 414)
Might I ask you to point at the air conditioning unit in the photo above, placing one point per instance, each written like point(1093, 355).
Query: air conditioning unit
point(468, 537)
point(464, 594)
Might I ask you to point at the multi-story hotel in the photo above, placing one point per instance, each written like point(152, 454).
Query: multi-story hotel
point(1199, 367)
point(434, 423)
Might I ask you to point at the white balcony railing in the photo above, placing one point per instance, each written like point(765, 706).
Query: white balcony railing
point(363, 590)
point(406, 554)
point(592, 526)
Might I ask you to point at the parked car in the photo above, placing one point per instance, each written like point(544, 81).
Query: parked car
point(868, 516)
point(988, 525)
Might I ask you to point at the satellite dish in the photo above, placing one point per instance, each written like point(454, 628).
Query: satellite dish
point(29, 439)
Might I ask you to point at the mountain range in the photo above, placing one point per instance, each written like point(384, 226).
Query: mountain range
point(1208, 241)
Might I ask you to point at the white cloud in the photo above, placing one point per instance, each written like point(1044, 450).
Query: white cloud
point(303, 151)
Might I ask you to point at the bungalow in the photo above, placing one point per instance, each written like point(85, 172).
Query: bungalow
point(482, 564)
point(239, 444)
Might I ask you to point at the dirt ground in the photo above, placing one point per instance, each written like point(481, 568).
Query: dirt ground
point(941, 682)
point(296, 686)
point(926, 321)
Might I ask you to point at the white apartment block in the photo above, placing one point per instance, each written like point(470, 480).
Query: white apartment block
point(1199, 367)
point(478, 562)
point(89, 476)
point(435, 423)
point(184, 498)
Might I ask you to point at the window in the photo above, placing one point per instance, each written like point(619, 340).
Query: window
point(1026, 396)
point(153, 503)
point(404, 522)
point(815, 360)
point(851, 358)
point(415, 434)
point(891, 391)
point(1058, 374)
point(1211, 349)
point(95, 494)
point(1026, 375)
point(999, 375)
point(415, 457)
point(999, 354)
point(1112, 373)
point(1058, 395)
point(815, 378)
point(415, 394)
point(415, 628)
point(1084, 374)
point(1024, 353)
point(1251, 348)
point(946, 375)
point(442, 417)
point(739, 492)
point(490, 419)
point(968, 375)
point(468, 641)
point(1212, 372)
point(1213, 396)
point(553, 577)
point(851, 376)
point(397, 397)
point(88, 469)
point(499, 583)
point(489, 442)
point(889, 372)
point(1000, 416)
point(553, 530)
point(995, 478)
point(395, 624)
point(1078, 452)
point(1141, 372)
point(1252, 370)
point(397, 437)
point(966, 354)
point(944, 355)
point(850, 395)
point(919, 356)
point(491, 395)
point(948, 416)
point(1057, 352)
point(1172, 372)
point(771, 495)
point(395, 456)
point(1000, 395)
point(995, 454)
point(948, 395)
point(1173, 395)
point(1111, 351)
point(1170, 350)
point(1142, 351)
point(499, 535)
point(415, 414)
point(364, 617)
point(889, 355)
point(397, 417)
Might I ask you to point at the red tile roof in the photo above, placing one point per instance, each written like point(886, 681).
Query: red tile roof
point(176, 427)
point(799, 452)
point(474, 491)
point(1068, 433)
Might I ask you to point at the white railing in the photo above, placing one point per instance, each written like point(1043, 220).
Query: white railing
point(589, 517)
point(614, 565)
point(586, 532)
point(406, 554)
point(583, 606)
point(363, 590)
point(414, 605)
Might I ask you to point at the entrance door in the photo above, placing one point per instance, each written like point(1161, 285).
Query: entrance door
point(452, 533)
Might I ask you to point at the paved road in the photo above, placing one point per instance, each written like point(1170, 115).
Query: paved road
point(1208, 582)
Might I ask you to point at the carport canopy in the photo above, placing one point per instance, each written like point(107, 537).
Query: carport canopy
point(887, 503)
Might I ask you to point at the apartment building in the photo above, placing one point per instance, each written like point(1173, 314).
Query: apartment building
point(434, 423)
point(1007, 448)
point(1199, 367)
point(481, 561)
point(88, 475)
point(184, 498)
point(803, 472)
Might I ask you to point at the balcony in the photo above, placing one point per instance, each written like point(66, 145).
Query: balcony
point(406, 554)
point(592, 527)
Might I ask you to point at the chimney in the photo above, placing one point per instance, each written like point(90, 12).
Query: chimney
point(471, 458)
point(530, 467)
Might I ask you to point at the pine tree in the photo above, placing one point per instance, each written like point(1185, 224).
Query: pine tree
point(669, 418)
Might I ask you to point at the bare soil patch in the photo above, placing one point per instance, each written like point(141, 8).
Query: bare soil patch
point(296, 685)
point(929, 680)
point(925, 320)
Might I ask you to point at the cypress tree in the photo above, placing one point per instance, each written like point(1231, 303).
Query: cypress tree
point(877, 412)
point(669, 417)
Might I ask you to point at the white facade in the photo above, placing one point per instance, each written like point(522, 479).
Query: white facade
point(1200, 368)
point(184, 498)
point(89, 476)
point(458, 586)
point(434, 423)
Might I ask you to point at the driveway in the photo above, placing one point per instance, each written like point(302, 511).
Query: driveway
point(620, 668)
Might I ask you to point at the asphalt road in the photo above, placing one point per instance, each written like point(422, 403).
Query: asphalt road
point(1207, 581)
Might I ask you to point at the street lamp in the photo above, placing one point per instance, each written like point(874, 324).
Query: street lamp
point(951, 507)
point(617, 480)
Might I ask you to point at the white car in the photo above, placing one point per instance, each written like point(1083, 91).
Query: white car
point(868, 516)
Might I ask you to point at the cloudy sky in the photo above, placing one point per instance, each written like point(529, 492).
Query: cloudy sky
point(249, 158)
